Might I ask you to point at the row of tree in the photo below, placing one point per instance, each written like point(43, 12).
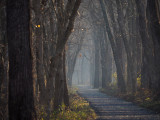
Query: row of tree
point(34, 54)
point(126, 45)
point(126, 36)
point(36, 61)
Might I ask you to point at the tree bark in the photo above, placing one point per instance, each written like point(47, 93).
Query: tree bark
point(106, 63)
point(59, 84)
point(21, 100)
point(39, 49)
point(154, 25)
point(65, 96)
point(147, 61)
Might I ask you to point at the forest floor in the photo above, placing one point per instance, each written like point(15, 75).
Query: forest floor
point(112, 108)
point(79, 109)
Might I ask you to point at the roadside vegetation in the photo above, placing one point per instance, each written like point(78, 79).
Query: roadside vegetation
point(143, 97)
point(79, 109)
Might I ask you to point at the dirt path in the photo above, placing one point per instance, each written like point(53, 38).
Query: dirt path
point(111, 108)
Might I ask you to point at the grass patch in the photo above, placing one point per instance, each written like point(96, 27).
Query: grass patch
point(79, 109)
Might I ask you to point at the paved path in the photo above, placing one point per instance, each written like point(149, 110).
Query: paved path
point(111, 108)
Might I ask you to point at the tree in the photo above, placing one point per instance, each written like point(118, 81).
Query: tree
point(106, 59)
point(21, 100)
point(121, 82)
point(72, 56)
point(39, 48)
point(148, 69)
point(65, 16)
point(154, 29)
point(131, 55)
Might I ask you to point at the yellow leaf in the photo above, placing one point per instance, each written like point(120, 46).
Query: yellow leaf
point(148, 99)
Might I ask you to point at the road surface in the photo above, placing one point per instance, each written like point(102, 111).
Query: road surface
point(111, 108)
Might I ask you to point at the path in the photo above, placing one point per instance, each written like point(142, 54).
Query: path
point(111, 108)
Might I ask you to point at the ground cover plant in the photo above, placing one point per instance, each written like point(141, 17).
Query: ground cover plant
point(79, 109)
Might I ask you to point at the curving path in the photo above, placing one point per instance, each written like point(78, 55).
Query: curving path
point(111, 108)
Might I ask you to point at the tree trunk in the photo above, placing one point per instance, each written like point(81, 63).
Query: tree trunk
point(59, 84)
point(106, 73)
point(97, 63)
point(21, 100)
point(130, 53)
point(66, 96)
point(39, 49)
point(154, 25)
point(121, 82)
point(3, 47)
point(1, 72)
point(148, 59)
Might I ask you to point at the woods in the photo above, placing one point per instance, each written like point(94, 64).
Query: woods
point(49, 46)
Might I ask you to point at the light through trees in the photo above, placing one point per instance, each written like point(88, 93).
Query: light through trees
point(48, 47)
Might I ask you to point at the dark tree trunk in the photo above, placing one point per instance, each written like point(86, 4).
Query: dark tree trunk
point(148, 59)
point(66, 96)
point(106, 63)
point(21, 100)
point(121, 82)
point(154, 25)
point(1, 72)
point(3, 47)
point(59, 84)
point(39, 49)
point(130, 53)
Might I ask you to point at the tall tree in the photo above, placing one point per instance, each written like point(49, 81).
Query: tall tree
point(21, 100)
point(148, 58)
point(153, 16)
point(131, 56)
point(65, 16)
point(115, 46)
point(2, 41)
point(106, 60)
point(39, 48)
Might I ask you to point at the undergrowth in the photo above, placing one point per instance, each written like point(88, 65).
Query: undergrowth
point(79, 109)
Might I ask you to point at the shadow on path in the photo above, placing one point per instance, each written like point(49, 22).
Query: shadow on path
point(111, 108)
